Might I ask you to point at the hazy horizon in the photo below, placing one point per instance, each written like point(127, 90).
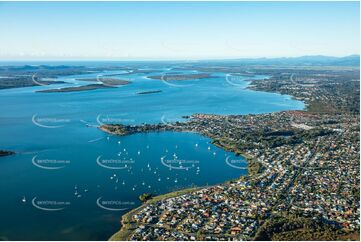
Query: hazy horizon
point(166, 60)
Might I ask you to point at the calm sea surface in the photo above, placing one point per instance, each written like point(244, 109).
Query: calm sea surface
point(70, 181)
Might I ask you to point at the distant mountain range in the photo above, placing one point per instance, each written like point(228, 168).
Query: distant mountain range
point(312, 60)
point(318, 60)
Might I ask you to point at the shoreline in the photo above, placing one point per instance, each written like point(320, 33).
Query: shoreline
point(126, 223)
point(255, 163)
point(254, 167)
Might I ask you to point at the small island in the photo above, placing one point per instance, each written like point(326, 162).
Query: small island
point(6, 153)
point(77, 89)
point(30, 75)
point(24, 81)
point(106, 81)
point(181, 77)
point(149, 92)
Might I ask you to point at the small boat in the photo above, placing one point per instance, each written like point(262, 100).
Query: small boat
point(24, 199)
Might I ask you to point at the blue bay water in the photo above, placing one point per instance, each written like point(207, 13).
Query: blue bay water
point(64, 132)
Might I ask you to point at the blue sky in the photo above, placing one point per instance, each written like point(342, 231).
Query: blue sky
point(177, 30)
